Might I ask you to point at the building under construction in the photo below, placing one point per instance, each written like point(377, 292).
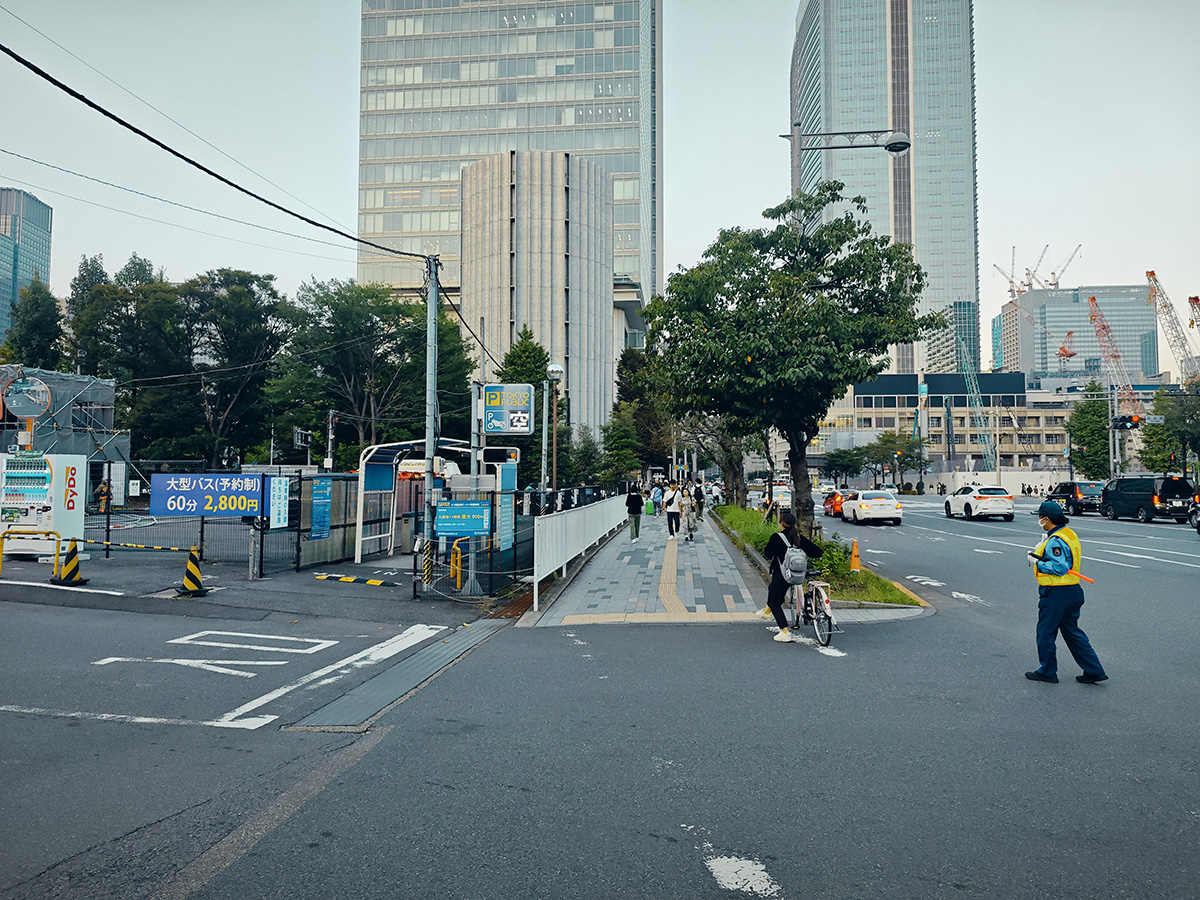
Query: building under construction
point(1048, 334)
point(79, 421)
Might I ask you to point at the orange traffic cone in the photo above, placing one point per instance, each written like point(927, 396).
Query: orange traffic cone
point(855, 562)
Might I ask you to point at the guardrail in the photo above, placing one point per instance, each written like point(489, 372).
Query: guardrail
point(15, 533)
point(560, 537)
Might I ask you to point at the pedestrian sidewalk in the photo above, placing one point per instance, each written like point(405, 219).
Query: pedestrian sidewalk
point(657, 580)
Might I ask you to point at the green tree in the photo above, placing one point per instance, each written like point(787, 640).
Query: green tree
point(635, 385)
point(775, 324)
point(244, 324)
point(842, 465)
point(620, 446)
point(727, 449)
point(1088, 426)
point(137, 271)
point(1178, 435)
point(587, 457)
point(91, 274)
point(36, 334)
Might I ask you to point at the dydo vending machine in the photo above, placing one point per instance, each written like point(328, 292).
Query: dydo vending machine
point(38, 491)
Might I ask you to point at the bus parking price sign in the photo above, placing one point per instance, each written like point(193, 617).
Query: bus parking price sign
point(206, 495)
point(463, 518)
point(508, 409)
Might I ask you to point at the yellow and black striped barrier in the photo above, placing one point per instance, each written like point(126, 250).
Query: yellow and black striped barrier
point(137, 546)
point(350, 579)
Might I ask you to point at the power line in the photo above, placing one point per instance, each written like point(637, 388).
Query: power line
point(46, 76)
point(458, 313)
point(164, 115)
point(126, 212)
point(205, 212)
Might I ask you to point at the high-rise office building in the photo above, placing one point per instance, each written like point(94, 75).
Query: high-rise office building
point(896, 66)
point(24, 247)
point(448, 82)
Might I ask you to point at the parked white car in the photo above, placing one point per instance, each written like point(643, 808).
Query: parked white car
point(872, 506)
point(976, 501)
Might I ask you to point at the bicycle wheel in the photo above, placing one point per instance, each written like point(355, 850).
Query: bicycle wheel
point(822, 624)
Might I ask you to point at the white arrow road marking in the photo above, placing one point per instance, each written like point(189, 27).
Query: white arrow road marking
point(208, 665)
point(925, 580)
point(379, 652)
point(746, 875)
point(969, 598)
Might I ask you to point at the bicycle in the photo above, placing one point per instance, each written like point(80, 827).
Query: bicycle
point(815, 609)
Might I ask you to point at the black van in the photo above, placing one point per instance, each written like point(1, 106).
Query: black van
point(1077, 497)
point(1146, 496)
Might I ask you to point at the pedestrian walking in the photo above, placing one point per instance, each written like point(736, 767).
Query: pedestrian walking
point(633, 505)
point(672, 503)
point(688, 511)
point(656, 497)
point(698, 496)
point(1057, 561)
point(787, 536)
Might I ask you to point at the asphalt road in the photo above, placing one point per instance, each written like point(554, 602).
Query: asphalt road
point(645, 761)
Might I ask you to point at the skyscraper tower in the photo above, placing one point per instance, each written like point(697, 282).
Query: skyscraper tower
point(448, 82)
point(899, 66)
point(25, 223)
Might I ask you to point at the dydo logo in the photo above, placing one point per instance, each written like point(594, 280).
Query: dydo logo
point(70, 495)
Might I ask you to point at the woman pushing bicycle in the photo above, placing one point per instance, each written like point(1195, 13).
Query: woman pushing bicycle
point(777, 547)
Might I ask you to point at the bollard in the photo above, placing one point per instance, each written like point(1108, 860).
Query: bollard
point(68, 574)
point(192, 585)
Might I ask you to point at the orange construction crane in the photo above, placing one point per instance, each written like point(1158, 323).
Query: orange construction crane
point(1127, 401)
point(1065, 351)
point(1194, 303)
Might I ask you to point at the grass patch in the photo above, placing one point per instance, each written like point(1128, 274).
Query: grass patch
point(747, 528)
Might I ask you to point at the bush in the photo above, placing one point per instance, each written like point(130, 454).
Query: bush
point(748, 526)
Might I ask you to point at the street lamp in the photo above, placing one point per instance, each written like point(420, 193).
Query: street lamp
point(554, 372)
point(894, 142)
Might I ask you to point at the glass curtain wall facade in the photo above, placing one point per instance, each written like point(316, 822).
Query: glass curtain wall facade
point(25, 225)
point(1132, 319)
point(897, 65)
point(448, 82)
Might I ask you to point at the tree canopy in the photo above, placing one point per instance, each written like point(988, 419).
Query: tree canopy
point(774, 324)
point(1088, 427)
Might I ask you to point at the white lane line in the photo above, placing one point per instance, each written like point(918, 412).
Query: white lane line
point(371, 655)
point(306, 645)
point(733, 873)
point(1025, 547)
point(98, 717)
point(63, 587)
point(1170, 562)
point(220, 666)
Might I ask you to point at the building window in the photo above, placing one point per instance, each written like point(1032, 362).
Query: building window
point(1028, 439)
point(935, 421)
point(864, 421)
point(885, 422)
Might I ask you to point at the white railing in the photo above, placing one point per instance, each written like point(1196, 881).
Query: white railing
point(560, 537)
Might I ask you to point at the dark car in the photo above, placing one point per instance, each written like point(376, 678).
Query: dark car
point(1077, 497)
point(1145, 496)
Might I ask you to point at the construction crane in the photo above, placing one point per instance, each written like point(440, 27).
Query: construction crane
point(1066, 349)
point(1057, 274)
point(1031, 276)
point(1194, 303)
point(979, 421)
point(1015, 287)
point(1189, 366)
point(1127, 401)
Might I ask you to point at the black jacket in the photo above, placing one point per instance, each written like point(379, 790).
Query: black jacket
point(778, 545)
point(634, 503)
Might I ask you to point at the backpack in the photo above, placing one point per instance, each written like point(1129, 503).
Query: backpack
point(794, 566)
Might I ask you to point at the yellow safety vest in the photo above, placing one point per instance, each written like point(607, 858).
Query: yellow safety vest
point(1072, 540)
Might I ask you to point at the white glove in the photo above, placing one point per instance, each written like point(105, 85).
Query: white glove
point(1033, 558)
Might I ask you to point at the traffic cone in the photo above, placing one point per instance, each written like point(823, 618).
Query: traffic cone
point(68, 572)
point(855, 562)
point(192, 586)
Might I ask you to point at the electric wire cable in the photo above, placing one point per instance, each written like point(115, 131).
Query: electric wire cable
point(67, 89)
point(164, 115)
point(205, 212)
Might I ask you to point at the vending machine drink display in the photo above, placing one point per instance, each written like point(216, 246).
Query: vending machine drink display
point(41, 492)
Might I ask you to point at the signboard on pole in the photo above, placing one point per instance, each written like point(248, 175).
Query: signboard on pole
point(508, 409)
point(322, 507)
point(463, 518)
point(277, 491)
point(205, 495)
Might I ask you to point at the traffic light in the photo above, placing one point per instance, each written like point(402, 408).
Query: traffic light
point(1172, 460)
point(1125, 423)
point(898, 454)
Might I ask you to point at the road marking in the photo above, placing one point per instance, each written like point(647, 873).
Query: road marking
point(63, 587)
point(969, 598)
point(977, 550)
point(1170, 562)
point(414, 635)
point(925, 580)
point(878, 551)
point(312, 644)
point(749, 876)
point(208, 665)
point(1025, 547)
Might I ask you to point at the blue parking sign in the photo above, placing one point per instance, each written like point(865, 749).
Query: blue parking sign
point(508, 409)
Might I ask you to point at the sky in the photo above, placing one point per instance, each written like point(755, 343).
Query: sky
point(1087, 111)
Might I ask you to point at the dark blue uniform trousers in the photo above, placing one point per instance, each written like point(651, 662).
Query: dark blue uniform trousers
point(1058, 610)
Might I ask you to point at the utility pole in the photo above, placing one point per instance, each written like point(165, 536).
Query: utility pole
point(431, 320)
point(329, 423)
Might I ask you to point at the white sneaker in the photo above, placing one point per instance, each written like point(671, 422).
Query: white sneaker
point(765, 613)
point(784, 637)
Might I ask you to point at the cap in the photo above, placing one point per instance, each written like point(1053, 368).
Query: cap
point(1052, 511)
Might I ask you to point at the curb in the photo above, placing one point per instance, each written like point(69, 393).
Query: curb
point(757, 558)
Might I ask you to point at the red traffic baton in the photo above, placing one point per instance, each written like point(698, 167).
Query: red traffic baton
point(1081, 576)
